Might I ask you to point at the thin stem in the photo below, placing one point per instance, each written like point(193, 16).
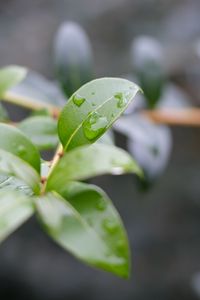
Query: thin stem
point(168, 116)
point(57, 156)
point(30, 103)
point(175, 117)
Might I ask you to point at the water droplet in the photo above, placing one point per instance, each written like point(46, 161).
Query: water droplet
point(117, 168)
point(101, 205)
point(121, 100)
point(110, 225)
point(120, 245)
point(94, 126)
point(78, 100)
point(21, 149)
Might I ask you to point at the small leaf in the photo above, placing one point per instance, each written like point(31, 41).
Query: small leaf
point(85, 162)
point(10, 76)
point(15, 209)
point(41, 130)
point(14, 141)
point(105, 100)
point(15, 166)
point(73, 57)
point(103, 244)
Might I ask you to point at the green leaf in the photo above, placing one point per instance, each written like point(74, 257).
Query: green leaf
point(15, 142)
point(10, 183)
point(15, 209)
point(41, 130)
point(10, 76)
point(85, 162)
point(73, 57)
point(15, 166)
point(93, 109)
point(103, 244)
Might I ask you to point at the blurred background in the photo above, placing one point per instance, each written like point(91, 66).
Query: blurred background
point(163, 223)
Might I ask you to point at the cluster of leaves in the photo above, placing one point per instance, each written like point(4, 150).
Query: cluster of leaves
point(78, 216)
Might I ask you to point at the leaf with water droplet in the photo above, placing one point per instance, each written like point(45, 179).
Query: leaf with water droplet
point(78, 100)
point(14, 166)
point(99, 217)
point(106, 98)
point(94, 126)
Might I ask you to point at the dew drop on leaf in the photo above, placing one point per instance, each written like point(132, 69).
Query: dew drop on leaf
point(78, 100)
point(94, 126)
point(121, 100)
point(101, 205)
point(110, 225)
point(21, 149)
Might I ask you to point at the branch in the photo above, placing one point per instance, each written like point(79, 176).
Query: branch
point(30, 103)
point(57, 156)
point(169, 116)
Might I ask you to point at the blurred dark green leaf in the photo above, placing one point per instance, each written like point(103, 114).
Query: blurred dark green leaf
point(15, 209)
point(73, 57)
point(147, 61)
point(93, 109)
point(85, 162)
point(10, 76)
point(15, 142)
point(41, 130)
point(88, 226)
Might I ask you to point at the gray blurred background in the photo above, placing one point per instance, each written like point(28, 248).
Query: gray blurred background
point(164, 223)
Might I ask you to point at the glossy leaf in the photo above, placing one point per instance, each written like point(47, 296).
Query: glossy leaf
point(93, 109)
point(41, 130)
point(15, 166)
point(73, 57)
point(15, 142)
point(10, 76)
point(10, 183)
point(15, 209)
point(85, 162)
point(67, 223)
